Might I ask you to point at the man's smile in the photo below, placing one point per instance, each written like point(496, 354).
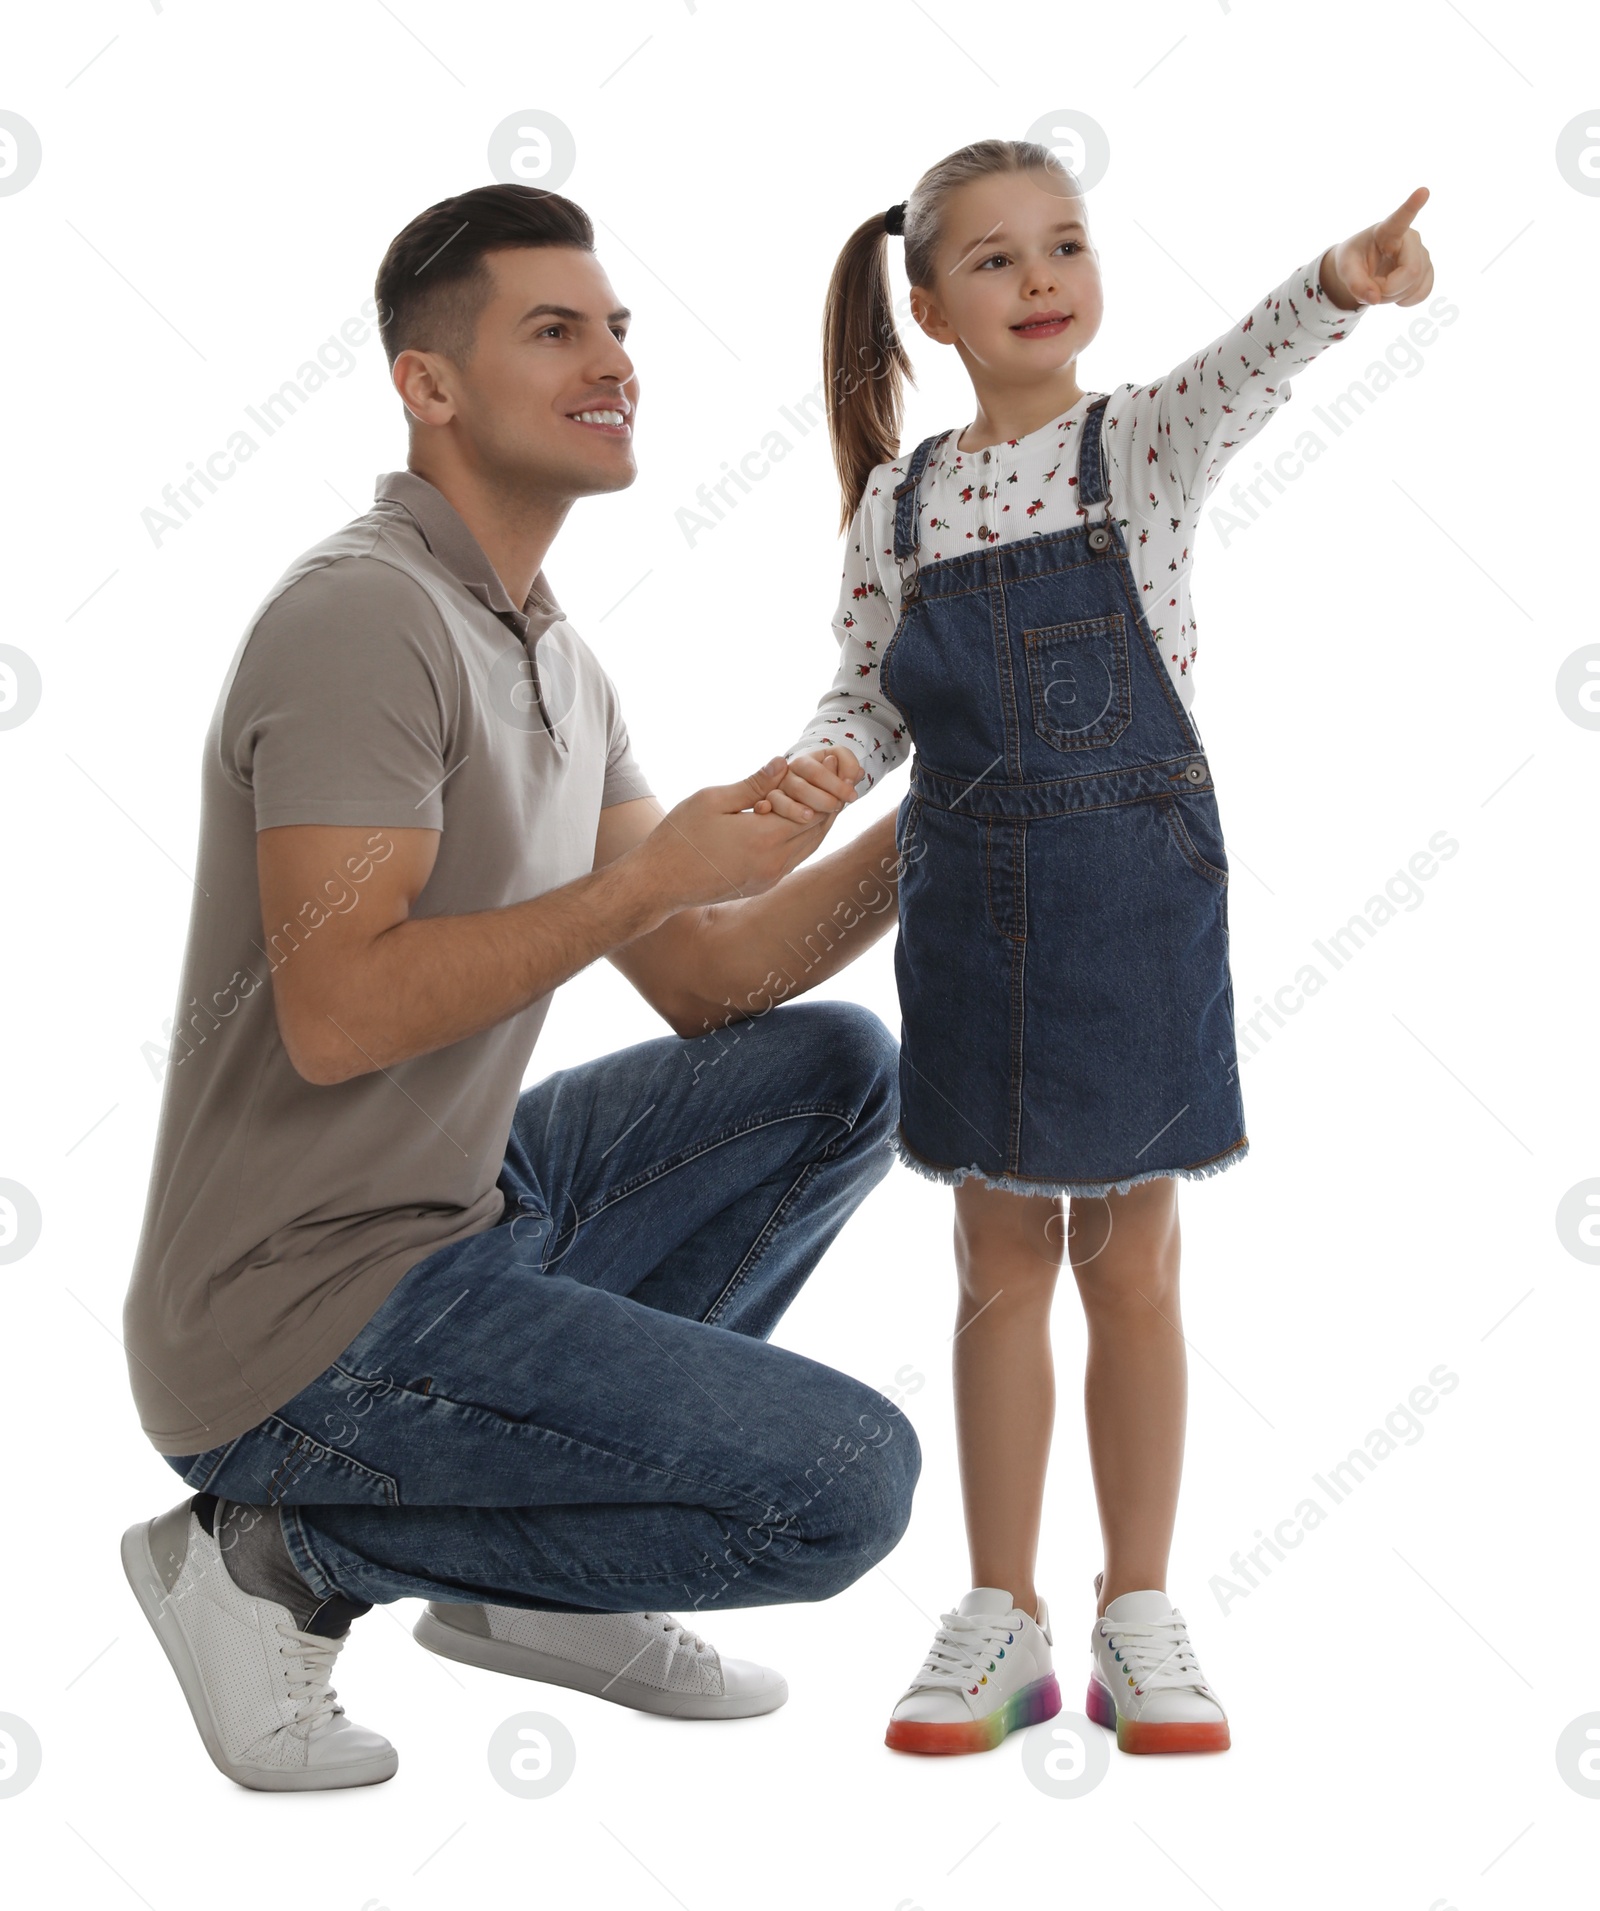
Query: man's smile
point(610, 420)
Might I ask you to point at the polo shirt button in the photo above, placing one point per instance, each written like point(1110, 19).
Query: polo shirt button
point(986, 457)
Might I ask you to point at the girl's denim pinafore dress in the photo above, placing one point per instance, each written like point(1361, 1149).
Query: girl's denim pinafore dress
point(1065, 996)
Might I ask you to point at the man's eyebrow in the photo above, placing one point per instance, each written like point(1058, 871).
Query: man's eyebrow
point(573, 317)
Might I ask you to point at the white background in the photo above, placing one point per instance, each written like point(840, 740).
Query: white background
point(1377, 662)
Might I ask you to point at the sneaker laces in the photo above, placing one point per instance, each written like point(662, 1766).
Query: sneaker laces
point(962, 1647)
point(307, 1674)
point(677, 1632)
point(1156, 1651)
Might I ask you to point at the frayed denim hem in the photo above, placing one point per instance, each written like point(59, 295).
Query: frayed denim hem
point(953, 1177)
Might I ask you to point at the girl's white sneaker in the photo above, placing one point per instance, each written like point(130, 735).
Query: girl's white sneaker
point(988, 1673)
point(1146, 1682)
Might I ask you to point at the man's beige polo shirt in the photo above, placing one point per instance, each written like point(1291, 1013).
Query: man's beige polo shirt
point(387, 680)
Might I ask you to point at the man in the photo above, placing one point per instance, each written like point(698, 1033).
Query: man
point(401, 1329)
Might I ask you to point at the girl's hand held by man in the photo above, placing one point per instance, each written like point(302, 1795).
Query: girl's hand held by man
point(819, 783)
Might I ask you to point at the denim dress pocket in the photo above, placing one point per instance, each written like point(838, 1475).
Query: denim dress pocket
point(905, 825)
point(1197, 831)
point(1078, 681)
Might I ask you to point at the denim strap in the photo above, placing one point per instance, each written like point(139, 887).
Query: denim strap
point(1091, 464)
point(906, 532)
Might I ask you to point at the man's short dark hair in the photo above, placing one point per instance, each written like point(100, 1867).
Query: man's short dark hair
point(433, 284)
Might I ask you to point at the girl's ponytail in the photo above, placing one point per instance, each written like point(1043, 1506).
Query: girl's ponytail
point(864, 364)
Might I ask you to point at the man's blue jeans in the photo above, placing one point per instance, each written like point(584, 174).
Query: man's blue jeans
point(578, 1409)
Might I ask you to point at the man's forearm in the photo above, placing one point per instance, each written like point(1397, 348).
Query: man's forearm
point(762, 949)
point(433, 980)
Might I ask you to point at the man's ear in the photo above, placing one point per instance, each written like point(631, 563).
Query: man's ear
point(925, 310)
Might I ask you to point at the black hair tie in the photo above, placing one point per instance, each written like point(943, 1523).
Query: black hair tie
point(894, 220)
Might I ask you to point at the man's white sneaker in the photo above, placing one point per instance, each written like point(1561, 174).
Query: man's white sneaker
point(255, 1677)
point(988, 1673)
point(1146, 1682)
point(644, 1659)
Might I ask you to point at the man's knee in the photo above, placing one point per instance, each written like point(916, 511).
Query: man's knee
point(891, 1482)
point(857, 1060)
point(863, 1481)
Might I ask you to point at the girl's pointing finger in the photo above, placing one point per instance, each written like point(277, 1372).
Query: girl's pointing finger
point(1390, 231)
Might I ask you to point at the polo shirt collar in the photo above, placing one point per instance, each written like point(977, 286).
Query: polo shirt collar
point(446, 535)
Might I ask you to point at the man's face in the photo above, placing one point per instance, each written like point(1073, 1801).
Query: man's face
point(549, 396)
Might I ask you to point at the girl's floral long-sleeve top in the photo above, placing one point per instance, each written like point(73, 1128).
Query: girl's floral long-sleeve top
point(1166, 445)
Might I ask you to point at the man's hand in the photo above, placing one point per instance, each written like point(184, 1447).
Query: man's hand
point(819, 782)
point(1385, 264)
point(725, 842)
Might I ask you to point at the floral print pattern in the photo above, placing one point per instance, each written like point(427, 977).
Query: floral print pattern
point(1167, 444)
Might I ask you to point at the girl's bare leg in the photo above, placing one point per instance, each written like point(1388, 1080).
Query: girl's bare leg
point(1009, 1249)
point(1124, 1250)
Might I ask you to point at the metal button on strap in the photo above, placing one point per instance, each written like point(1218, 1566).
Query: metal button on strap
point(1196, 771)
point(1099, 537)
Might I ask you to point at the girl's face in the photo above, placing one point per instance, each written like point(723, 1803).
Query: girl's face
point(1017, 288)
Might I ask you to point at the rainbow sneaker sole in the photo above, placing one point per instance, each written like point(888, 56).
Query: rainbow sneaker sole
point(1153, 1735)
point(1041, 1700)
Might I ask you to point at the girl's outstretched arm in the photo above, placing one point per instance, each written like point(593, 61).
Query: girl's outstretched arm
point(1186, 427)
point(1182, 431)
point(1170, 440)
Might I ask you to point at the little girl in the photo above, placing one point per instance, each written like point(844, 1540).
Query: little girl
point(1016, 604)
